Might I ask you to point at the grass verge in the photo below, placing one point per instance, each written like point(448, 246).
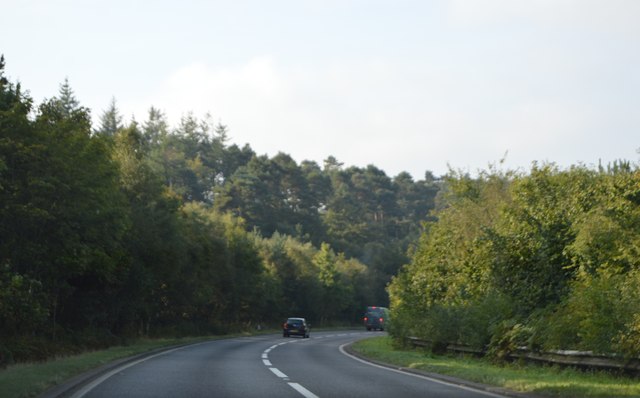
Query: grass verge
point(541, 380)
point(31, 379)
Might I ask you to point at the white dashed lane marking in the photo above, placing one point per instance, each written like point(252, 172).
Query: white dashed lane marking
point(278, 373)
point(303, 391)
point(299, 388)
point(265, 360)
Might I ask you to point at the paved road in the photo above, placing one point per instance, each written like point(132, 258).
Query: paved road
point(266, 366)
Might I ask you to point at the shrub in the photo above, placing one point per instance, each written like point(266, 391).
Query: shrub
point(599, 315)
point(508, 337)
point(628, 341)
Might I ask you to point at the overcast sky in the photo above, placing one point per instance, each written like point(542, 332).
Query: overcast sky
point(404, 85)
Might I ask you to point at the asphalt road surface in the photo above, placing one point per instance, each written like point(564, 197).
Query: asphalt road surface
point(266, 366)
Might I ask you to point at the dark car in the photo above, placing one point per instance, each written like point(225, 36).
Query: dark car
point(376, 318)
point(296, 326)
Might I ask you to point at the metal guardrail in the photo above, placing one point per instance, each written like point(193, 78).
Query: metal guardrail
point(581, 359)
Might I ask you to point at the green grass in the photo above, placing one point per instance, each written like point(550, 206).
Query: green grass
point(32, 379)
point(542, 380)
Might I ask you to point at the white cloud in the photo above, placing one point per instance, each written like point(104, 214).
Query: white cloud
point(200, 88)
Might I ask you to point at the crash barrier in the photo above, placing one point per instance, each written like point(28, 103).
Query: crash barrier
point(579, 359)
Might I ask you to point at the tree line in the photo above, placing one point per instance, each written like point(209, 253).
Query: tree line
point(141, 229)
point(547, 260)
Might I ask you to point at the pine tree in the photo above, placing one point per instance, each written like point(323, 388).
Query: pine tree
point(221, 133)
point(156, 128)
point(67, 100)
point(110, 121)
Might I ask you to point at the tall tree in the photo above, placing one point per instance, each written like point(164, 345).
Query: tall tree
point(86, 218)
point(156, 128)
point(23, 310)
point(154, 244)
point(110, 120)
point(67, 99)
point(62, 216)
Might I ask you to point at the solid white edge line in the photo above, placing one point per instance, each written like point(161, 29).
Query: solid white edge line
point(302, 390)
point(487, 393)
point(278, 373)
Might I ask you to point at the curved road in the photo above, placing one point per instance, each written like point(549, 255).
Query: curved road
point(266, 366)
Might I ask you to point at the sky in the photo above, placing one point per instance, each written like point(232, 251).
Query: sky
point(415, 86)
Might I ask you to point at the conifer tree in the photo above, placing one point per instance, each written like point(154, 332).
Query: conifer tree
point(110, 121)
point(67, 99)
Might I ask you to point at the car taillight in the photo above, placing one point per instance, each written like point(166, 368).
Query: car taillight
point(381, 320)
point(366, 319)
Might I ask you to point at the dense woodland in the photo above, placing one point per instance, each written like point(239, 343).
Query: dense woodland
point(119, 230)
point(548, 259)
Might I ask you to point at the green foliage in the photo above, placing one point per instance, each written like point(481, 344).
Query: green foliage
point(272, 195)
point(110, 120)
point(507, 337)
point(62, 216)
point(628, 341)
point(22, 301)
point(445, 291)
point(531, 265)
point(558, 250)
point(598, 315)
point(220, 281)
point(311, 281)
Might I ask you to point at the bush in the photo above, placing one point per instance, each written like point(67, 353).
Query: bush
point(27, 349)
point(481, 316)
point(628, 341)
point(6, 356)
point(508, 336)
point(600, 314)
point(94, 338)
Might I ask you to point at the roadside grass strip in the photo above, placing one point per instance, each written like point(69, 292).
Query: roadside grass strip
point(547, 380)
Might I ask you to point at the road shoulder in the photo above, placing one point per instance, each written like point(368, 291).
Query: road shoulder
point(348, 349)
